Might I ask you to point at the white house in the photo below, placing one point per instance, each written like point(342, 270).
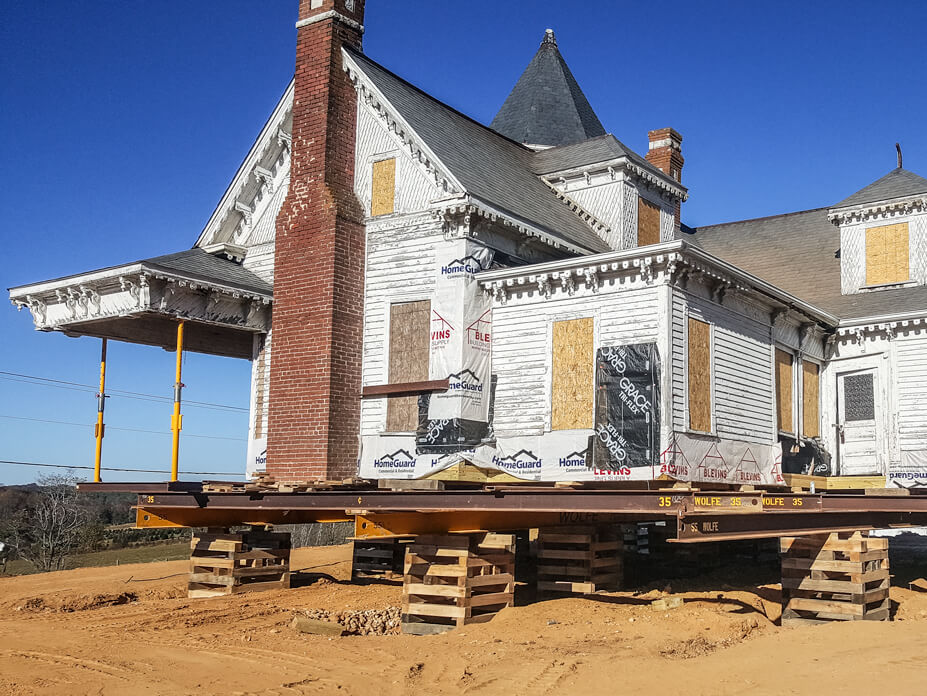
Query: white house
point(532, 303)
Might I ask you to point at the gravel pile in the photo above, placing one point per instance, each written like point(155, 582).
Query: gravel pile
point(373, 622)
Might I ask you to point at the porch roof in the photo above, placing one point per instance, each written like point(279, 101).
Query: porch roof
point(223, 303)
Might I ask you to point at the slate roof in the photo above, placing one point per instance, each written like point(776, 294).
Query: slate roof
point(194, 264)
point(547, 106)
point(600, 149)
point(898, 183)
point(797, 252)
point(199, 264)
point(490, 166)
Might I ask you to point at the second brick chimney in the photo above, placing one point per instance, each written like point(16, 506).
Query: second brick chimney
point(665, 153)
point(316, 339)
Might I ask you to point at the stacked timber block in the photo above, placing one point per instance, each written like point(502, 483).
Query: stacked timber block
point(579, 559)
point(456, 579)
point(669, 561)
point(834, 577)
point(222, 563)
point(378, 557)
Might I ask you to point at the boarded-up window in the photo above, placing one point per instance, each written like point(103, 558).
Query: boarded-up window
point(383, 194)
point(784, 391)
point(887, 254)
point(699, 369)
point(409, 323)
point(572, 389)
point(811, 417)
point(648, 222)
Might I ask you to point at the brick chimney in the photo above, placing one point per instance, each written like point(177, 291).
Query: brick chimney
point(315, 370)
point(665, 153)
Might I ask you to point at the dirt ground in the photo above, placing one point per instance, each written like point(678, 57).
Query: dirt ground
point(131, 630)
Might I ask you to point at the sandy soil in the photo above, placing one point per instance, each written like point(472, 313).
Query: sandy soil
point(117, 631)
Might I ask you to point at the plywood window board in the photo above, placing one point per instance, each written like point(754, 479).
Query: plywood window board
point(699, 375)
point(648, 222)
point(383, 187)
point(409, 323)
point(810, 397)
point(784, 382)
point(573, 374)
point(887, 256)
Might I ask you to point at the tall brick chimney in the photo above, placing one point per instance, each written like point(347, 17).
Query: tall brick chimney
point(315, 371)
point(665, 153)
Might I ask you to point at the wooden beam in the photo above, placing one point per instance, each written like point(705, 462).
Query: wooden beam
point(404, 388)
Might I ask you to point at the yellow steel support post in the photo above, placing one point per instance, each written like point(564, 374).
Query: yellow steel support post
point(98, 431)
point(176, 418)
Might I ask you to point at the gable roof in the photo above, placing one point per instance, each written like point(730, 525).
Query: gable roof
point(600, 149)
point(798, 252)
point(489, 166)
point(898, 183)
point(547, 106)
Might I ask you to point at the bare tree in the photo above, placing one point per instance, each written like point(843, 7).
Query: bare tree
point(48, 531)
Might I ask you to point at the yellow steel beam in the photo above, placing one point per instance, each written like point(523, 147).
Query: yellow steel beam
point(99, 429)
point(176, 418)
point(404, 523)
point(146, 516)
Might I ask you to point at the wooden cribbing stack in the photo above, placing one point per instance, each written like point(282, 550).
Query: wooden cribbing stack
point(834, 577)
point(580, 559)
point(457, 579)
point(379, 556)
point(222, 563)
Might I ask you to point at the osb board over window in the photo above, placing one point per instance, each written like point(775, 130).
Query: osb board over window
point(784, 362)
point(648, 222)
point(810, 396)
point(887, 254)
point(699, 369)
point(573, 382)
point(409, 323)
point(383, 195)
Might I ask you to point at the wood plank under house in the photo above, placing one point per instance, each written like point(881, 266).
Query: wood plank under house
point(222, 563)
point(456, 580)
point(834, 577)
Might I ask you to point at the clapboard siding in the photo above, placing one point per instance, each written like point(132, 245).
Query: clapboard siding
point(260, 387)
point(743, 398)
point(521, 346)
point(911, 390)
point(260, 261)
point(400, 267)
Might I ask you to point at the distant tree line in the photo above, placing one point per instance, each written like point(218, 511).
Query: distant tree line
point(47, 522)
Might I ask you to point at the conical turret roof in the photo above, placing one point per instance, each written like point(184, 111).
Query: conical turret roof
point(546, 106)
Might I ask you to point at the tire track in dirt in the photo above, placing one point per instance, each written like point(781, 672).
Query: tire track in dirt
point(68, 662)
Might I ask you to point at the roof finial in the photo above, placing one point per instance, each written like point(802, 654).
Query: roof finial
point(549, 38)
point(898, 150)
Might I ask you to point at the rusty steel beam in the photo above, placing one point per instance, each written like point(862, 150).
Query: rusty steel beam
point(698, 515)
point(702, 527)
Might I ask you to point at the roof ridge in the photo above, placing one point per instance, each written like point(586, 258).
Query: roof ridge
point(436, 100)
point(758, 219)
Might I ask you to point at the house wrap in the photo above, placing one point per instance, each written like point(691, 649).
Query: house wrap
point(415, 289)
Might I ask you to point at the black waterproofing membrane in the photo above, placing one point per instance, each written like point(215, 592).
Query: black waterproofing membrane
point(627, 406)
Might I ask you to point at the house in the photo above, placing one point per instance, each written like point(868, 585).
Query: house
point(415, 289)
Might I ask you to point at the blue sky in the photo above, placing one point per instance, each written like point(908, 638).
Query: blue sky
point(121, 123)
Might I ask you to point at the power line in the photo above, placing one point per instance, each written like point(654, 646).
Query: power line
point(107, 468)
point(128, 430)
point(77, 386)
